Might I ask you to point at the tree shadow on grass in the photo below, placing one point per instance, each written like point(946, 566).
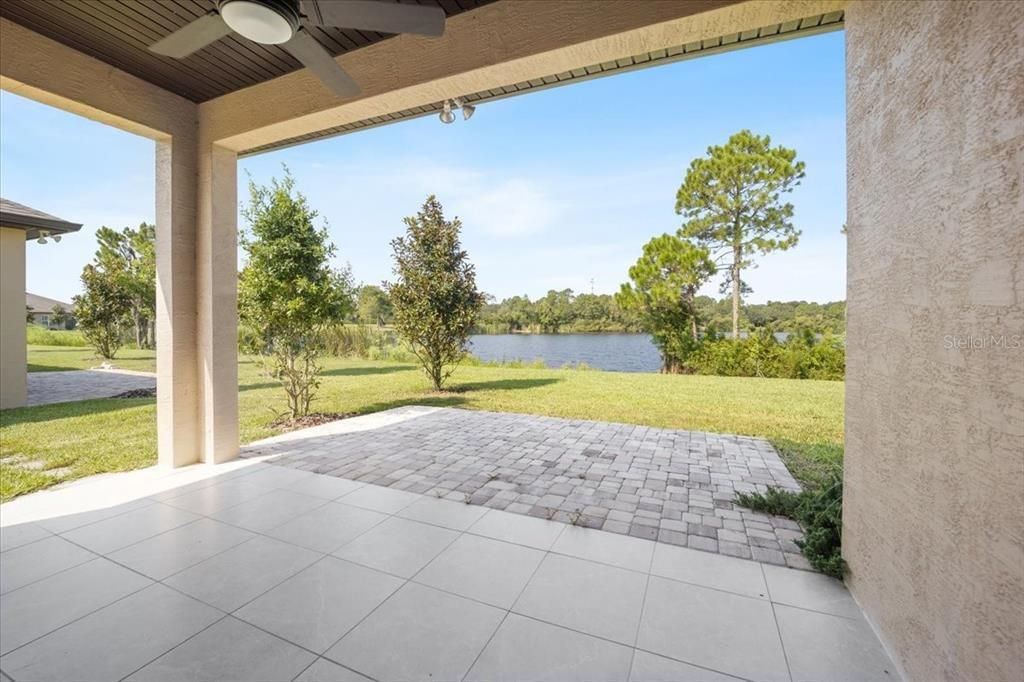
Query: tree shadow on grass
point(367, 371)
point(503, 385)
point(78, 408)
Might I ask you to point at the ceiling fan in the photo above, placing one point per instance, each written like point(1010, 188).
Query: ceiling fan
point(280, 22)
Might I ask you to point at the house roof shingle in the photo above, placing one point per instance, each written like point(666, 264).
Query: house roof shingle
point(19, 216)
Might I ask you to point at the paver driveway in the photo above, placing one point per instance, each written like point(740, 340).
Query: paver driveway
point(674, 486)
point(267, 573)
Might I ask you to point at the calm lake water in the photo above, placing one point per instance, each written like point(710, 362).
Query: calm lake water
point(612, 352)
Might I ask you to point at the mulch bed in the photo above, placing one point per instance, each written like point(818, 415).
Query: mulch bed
point(313, 419)
point(137, 393)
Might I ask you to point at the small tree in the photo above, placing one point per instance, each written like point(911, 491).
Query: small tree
point(373, 306)
point(130, 255)
point(731, 200)
point(665, 281)
point(100, 310)
point(59, 316)
point(435, 299)
point(287, 292)
point(29, 314)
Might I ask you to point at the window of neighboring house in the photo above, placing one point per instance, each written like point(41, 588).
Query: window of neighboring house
point(43, 320)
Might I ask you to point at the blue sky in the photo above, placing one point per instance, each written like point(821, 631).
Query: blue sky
point(556, 189)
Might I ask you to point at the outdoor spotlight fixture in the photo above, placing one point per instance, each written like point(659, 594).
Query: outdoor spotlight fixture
point(42, 237)
point(446, 115)
point(56, 238)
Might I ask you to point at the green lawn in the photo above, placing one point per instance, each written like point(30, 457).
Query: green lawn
point(805, 418)
point(59, 358)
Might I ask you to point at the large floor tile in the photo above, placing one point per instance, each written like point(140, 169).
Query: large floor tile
point(328, 527)
point(164, 555)
point(713, 629)
point(323, 670)
point(454, 515)
point(318, 605)
point(709, 570)
point(275, 476)
point(326, 487)
point(43, 606)
point(418, 634)
point(268, 511)
point(583, 595)
point(243, 572)
point(127, 529)
point(522, 530)
point(649, 667)
point(214, 498)
point(377, 498)
point(229, 650)
point(526, 650)
point(66, 522)
point(608, 548)
point(814, 591)
point(21, 534)
point(480, 568)
point(826, 648)
point(114, 641)
point(38, 560)
point(397, 546)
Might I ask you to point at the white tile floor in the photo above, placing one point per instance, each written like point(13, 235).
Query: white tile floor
point(268, 573)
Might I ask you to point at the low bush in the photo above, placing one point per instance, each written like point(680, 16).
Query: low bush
point(41, 336)
point(801, 356)
point(818, 509)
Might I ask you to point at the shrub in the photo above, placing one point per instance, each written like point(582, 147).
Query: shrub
point(761, 355)
point(819, 510)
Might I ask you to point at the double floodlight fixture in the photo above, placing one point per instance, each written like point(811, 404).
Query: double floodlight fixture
point(447, 114)
point(43, 234)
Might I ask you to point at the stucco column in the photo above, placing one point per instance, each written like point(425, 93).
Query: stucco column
point(13, 354)
point(177, 375)
point(217, 290)
point(197, 373)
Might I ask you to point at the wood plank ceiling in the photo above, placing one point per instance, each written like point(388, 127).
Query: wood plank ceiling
point(119, 32)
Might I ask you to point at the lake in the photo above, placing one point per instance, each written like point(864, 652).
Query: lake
point(612, 352)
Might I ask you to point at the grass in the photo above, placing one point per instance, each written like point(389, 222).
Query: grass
point(41, 336)
point(805, 418)
point(60, 358)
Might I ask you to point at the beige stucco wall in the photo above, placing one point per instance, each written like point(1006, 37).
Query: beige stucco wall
point(934, 497)
point(13, 353)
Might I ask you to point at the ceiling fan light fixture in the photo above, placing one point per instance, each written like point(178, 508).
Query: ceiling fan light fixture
point(270, 22)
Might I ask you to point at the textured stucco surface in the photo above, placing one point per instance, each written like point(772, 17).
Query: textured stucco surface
point(13, 354)
point(934, 497)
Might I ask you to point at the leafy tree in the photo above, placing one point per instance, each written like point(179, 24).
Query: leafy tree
point(59, 316)
point(555, 310)
point(28, 313)
point(435, 298)
point(101, 309)
point(288, 293)
point(373, 305)
point(731, 202)
point(130, 257)
point(665, 281)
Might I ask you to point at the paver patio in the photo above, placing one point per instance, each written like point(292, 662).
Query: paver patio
point(669, 485)
point(45, 388)
point(268, 573)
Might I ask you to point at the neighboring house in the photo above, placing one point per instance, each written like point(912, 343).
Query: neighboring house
point(19, 224)
point(41, 309)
